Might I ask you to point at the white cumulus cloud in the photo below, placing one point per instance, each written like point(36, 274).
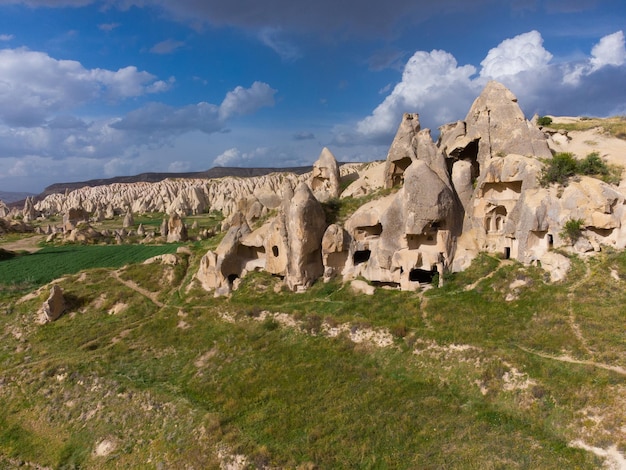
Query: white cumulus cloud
point(34, 85)
point(235, 157)
point(609, 51)
point(241, 101)
point(433, 84)
point(440, 90)
point(512, 56)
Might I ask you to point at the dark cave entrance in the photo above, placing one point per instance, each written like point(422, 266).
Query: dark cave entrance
point(361, 256)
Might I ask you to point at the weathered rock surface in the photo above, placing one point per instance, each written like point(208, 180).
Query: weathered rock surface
point(176, 229)
point(54, 306)
point(325, 182)
point(305, 223)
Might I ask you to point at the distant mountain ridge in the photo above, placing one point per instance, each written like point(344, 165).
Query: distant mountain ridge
point(12, 196)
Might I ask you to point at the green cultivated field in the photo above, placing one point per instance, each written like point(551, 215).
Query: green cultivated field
point(41, 267)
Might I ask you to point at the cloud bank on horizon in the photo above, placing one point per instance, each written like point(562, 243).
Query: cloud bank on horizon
point(188, 85)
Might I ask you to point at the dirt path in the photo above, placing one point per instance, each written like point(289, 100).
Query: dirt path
point(572, 317)
point(491, 274)
point(131, 285)
point(571, 360)
point(29, 244)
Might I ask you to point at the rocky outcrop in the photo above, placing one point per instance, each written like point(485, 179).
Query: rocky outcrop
point(494, 126)
point(288, 246)
point(73, 217)
point(129, 220)
point(477, 189)
point(29, 213)
point(176, 229)
point(305, 223)
point(324, 181)
point(4, 209)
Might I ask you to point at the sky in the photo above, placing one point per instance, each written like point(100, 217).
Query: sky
point(102, 88)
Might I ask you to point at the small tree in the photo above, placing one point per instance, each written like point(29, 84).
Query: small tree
point(573, 230)
point(544, 121)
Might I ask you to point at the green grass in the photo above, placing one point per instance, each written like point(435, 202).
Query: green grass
point(169, 385)
point(50, 263)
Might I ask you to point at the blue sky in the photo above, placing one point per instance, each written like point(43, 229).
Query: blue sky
point(101, 88)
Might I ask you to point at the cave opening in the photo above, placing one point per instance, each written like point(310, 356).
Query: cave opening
point(361, 256)
point(423, 276)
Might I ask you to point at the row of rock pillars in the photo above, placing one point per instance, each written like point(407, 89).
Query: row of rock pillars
point(475, 189)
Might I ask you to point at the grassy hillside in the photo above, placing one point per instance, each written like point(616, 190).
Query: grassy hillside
point(147, 370)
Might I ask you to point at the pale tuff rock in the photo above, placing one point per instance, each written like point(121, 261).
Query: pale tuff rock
point(335, 247)
point(54, 306)
point(185, 196)
point(403, 150)
point(4, 210)
point(369, 179)
point(164, 228)
point(176, 229)
point(220, 268)
point(306, 223)
point(362, 287)
point(129, 221)
point(324, 181)
point(477, 189)
point(494, 126)
point(73, 217)
point(287, 246)
point(29, 213)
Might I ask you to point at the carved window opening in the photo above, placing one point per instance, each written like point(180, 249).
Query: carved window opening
point(361, 256)
point(423, 276)
point(275, 251)
point(370, 231)
point(469, 153)
point(397, 177)
point(494, 221)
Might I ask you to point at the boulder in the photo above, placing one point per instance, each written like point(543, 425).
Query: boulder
point(54, 306)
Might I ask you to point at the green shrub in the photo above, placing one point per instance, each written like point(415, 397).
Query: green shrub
point(573, 229)
point(592, 164)
point(563, 166)
point(544, 121)
point(559, 169)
